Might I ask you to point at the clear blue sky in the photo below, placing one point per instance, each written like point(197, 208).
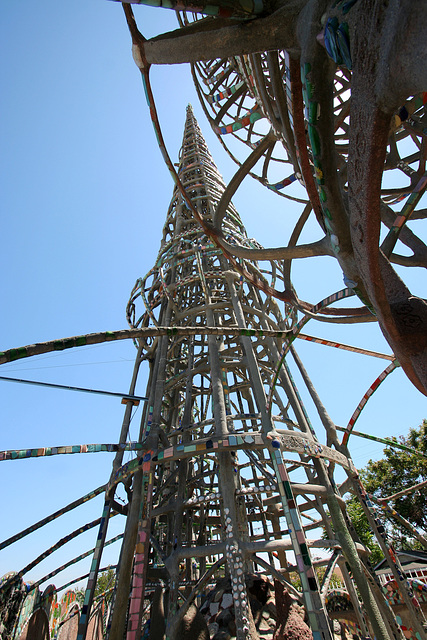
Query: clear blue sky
point(84, 197)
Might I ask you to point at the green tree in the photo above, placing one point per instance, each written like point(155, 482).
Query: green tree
point(104, 582)
point(397, 470)
point(363, 530)
point(400, 470)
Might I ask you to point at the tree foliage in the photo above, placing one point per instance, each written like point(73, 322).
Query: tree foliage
point(363, 530)
point(400, 470)
point(397, 470)
point(104, 583)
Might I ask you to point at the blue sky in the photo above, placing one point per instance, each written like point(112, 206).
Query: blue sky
point(84, 197)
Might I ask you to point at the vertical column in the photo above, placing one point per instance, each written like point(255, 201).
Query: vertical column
point(316, 612)
point(141, 550)
point(91, 584)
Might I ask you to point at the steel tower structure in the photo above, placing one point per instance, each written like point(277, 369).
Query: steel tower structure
point(228, 482)
point(217, 492)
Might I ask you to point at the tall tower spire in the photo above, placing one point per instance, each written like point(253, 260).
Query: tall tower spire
point(207, 415)
point(213, 497)
point(190, 400)
point(202, 181)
